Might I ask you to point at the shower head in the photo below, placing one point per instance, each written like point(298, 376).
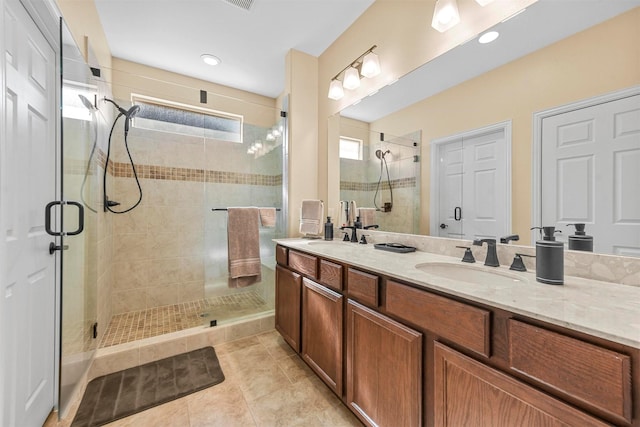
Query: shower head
point(380, 154)
point(127, 113)
point(131, 112)
point(87, 103)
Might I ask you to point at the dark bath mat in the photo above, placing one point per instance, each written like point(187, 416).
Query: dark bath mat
point(124, 393)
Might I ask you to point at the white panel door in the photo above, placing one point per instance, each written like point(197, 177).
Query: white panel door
point(472, 192)
point(451, 176)
point(27, 163)
point(484, 192)
point(592, 174)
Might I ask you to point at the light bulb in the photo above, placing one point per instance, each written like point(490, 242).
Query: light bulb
point(351, 79)
point(336, 91)
point(370, 65)
point(445, 15)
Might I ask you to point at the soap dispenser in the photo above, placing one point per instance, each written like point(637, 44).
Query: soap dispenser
point(549, 257)
point(580, 241)
point(328, 229)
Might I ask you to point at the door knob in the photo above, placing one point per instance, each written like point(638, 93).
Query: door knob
point(53, 247)
point(443, 225)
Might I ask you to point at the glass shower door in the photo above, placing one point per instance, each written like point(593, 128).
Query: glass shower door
point(255, 179)
point(79, 185)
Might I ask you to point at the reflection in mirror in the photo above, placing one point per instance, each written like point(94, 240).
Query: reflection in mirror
point(382, 175)
point(523, 72)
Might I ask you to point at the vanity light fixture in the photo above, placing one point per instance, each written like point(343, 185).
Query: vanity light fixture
point(488, 37)
point(210, 59)
point(366, 65)
point(445, 15)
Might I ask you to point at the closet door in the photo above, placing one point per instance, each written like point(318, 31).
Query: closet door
point(473, 191)
point(591, 171)
point(28, 170)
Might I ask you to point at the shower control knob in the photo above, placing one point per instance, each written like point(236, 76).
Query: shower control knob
point(443, 226)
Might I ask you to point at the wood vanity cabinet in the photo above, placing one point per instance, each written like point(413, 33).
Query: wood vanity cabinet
point(402, 355)
point(469, 393)
point(288, 299)
point(384, 369)
point(322, 314)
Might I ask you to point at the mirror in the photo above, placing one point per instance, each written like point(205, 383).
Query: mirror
point(381, 174)
point(524, 72)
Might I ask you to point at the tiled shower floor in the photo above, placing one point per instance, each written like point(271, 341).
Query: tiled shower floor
point(136, 325)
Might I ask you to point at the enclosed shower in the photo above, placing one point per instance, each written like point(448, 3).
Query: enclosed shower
point(156, 164)
point(385, 177)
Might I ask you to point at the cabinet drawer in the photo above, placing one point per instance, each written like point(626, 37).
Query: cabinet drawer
point(331, 275)
point(463, 324)
point(584, 372)
point(281, 255)
point(303, 263)
point(363, 287)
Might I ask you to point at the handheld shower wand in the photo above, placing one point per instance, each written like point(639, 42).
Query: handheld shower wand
point(128, 115)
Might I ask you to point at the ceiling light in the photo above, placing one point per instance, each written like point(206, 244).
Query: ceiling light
point(336, 91)
point(488, 37)
point(351, 79)
point(445, 15)
point(370, 65)
point(483, 2)
point(210, 59)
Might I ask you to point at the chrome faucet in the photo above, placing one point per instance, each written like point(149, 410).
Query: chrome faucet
point(492, 255)
point(354, 233)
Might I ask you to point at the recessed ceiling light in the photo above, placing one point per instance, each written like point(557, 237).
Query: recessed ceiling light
point(210, 59)
point(488, 37)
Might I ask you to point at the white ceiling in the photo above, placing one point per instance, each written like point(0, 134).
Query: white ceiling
point(172, 34)
point(542, 24)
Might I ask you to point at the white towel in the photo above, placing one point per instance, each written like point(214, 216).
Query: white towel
point(367, 216)
point(353, 212)
point(311, 217)
point(343, 217)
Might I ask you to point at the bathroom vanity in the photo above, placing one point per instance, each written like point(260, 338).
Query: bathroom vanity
point(421, 339)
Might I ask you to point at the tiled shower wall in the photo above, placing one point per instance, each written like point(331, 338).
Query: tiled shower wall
point(161, 255)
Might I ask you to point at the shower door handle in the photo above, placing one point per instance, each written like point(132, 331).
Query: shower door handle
point(457, 213)
point(47, 218)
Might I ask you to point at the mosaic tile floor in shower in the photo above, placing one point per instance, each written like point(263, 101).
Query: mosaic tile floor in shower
point(136, 325)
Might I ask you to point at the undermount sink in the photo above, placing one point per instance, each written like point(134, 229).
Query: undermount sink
point(325, 242)
point(470, 273)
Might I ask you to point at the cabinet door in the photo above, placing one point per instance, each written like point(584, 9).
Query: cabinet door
point(322, 332)
point(288, 290)
point(384, 369)
point(468, 393)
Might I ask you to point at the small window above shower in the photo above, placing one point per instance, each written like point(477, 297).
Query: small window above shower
point(167, 116)
point(350, 148)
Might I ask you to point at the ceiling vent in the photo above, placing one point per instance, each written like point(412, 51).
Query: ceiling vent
point(242, 4)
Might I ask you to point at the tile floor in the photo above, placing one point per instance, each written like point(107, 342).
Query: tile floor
point(266, 384)
point(136, 325)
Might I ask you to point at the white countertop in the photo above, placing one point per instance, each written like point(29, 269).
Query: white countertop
point(606, 310)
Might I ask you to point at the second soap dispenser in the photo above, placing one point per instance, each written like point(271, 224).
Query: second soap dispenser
point(549, 258)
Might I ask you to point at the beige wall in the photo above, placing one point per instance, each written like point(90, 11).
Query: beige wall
point(301, 84)
point(82, 18)
point(602, 59)
point(401, 29)
point(130, 77)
